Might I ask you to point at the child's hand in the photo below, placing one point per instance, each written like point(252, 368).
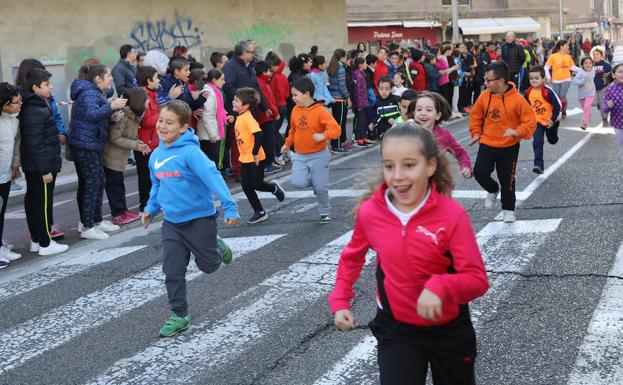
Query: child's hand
point(371, 126)
point(118, 103)
point(269, 113)
point(466, 173)
point(318, 137)
point(510, 132)
point(195, 94)
point(391, 121)
point(231, 221)
point(285, 149)
point(429, 305)
point(198, 113)
point(146, 220)
point(610, 103)
point(230, 119)
point(550, 124)
point(256, 160)
point(475, 139)
point(47, 178)
point(16, 174)
point(176, 91)
point(117, 116)
point(344, 320)
point(62, 138)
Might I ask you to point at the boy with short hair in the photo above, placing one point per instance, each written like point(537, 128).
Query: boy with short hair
point(405, 99)
point(546, 106)
point(311, 128)
point(267, 118)
point(41, 159)
point(184, 182)
point(386, 108)
point(179, 75)
point(249, 142)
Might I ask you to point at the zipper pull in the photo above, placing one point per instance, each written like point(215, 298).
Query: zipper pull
point(404, 231)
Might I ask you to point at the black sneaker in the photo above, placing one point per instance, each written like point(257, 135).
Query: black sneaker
point(325, 219)
point(537, 170)
point(279, 193)
point(259, 216)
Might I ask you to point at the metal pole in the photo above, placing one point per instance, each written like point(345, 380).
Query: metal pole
point(455, 21)
point(561, 28)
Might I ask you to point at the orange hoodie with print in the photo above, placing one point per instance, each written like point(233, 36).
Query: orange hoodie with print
point(492, 114)
point(305, 122)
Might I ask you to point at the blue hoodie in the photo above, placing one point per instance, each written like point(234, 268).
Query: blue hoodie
point(184, 182)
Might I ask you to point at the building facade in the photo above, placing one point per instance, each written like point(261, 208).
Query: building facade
point(481, 19)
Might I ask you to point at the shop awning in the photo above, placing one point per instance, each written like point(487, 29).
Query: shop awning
point(374, 23)
point(490, 26)
point(420, 24)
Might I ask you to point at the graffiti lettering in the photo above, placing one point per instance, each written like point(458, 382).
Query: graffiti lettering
point(267, 36)
point(163, 35)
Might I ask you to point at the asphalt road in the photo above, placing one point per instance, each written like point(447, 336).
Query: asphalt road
point(554, 313)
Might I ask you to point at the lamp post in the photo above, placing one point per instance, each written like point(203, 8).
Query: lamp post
point(455, 21)
point(560, 19)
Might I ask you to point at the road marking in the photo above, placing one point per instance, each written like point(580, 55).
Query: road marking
point(600, 357)
point(21, 214)
point(44, 333)
point(62, 270)
point(270, 304)
point(496, 241)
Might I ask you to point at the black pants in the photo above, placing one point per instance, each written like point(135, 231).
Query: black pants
point(405, 351)
point(268, 141)
point(115, 190)
point(477, 91)
point(252, 180)
point(340, 112)
point(504, 160)
point(465, 95)
point(514, 77)
point(360, 124)
point(5, 189)
point(80, 190)
point(178, 241)
point(92, 173)
point(211, 149)
point(447, 91)
point(144, 181)
point(38, 197)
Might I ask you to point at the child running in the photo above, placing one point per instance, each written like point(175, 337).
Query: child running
point(184, 182)
point(410, 220)
point(613, 101)
point(312, 126)
point(585, 80)
point(11, 103)
point(249, 141)
point(546, 106)
point(430, 109)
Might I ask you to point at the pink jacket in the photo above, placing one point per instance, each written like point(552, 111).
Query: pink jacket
point(442, 64)
point(420, 255)
point(447, 142)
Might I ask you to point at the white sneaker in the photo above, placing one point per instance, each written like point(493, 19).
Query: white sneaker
point(508, 216)
point(93, 233)
point(107, 226)
point(34, 247)
point(53, 248)
point(6, 253)
point(490, 199)
point(8, 245)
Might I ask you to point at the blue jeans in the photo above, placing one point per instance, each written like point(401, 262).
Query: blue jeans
point(538, 141)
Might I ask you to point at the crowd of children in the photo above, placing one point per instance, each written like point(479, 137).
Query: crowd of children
point(188, 129)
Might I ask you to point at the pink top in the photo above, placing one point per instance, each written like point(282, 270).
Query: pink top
point(442, 64)
point(447, 142)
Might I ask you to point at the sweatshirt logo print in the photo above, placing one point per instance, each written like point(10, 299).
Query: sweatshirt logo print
point(158, 164)
point(433, 236)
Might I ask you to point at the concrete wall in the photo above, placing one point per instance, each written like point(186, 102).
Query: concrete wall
point(71, 31)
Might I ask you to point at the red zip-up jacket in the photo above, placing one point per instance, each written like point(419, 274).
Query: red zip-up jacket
point(147, 132)
point(419, 76)
point(267, 93)
point(280, 86)
point(436, 250)
point(379, 71)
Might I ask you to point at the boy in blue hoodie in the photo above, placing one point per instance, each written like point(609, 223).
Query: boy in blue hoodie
point(184, 182)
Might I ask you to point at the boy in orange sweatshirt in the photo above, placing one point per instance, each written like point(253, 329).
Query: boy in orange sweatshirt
point(501, 117)
point(311, 127)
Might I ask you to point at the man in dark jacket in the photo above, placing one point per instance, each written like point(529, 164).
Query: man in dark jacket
point(513, 56)
point(124, 73)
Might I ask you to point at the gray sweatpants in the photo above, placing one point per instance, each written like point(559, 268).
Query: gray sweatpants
point(313, 169)
point(178, 241)
point(599, 98)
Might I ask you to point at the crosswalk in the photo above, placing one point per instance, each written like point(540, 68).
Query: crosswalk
point(266, 308)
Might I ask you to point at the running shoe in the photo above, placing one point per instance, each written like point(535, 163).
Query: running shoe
point(174, 325)
point(226, 252)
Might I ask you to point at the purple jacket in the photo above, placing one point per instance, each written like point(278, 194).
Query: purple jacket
point(614, 93)
point(360, 91)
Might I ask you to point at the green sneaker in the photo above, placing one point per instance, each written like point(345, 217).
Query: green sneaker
point(226, 252)
point(174, 325)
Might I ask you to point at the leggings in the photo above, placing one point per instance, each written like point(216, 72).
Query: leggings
point(561, 90)
point(339, 111)
point(5, 189)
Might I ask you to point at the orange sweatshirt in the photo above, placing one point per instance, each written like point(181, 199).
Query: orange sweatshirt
point(493, 114)
point(305, 122)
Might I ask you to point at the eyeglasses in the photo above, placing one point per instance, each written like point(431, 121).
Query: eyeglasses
point(491, 80)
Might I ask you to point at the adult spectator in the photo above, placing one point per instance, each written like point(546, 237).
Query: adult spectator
point(124, 73)
point(239, 73)
point(513, 55)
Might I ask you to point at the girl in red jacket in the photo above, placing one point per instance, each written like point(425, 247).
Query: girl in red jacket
point(428, 266)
